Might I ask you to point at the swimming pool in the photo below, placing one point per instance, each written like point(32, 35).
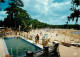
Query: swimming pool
point(19, 46)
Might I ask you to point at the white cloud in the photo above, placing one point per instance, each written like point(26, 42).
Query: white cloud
point(48, 11)
point(63, 17)
point(2, 12)
point(2, 15)
point(61, 6)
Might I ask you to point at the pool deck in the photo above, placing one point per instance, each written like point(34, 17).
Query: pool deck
point(32, 42)
point(2, 51)
point(2, 46)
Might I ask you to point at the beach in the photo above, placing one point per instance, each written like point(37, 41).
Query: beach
point(59, 35)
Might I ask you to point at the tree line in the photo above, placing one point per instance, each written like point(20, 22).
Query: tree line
point(16, 16)
point(37, 24)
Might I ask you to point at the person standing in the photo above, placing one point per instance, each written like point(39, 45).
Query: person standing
point(37, 39)
point(3, 32)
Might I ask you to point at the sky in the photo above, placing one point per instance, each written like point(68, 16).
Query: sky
point(53, 12)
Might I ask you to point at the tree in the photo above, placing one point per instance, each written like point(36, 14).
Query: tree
point(17, 16)
point(11, 10)
point(20, 15)
point(1, 23)
point(2, 1)
point(76, 12)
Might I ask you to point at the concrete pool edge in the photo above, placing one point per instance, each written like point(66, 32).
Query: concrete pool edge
point(5, 49)
point(38, 45)
point(30, 41)
point(23, 38)
point(2, 52)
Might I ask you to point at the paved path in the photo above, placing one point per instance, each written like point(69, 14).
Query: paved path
point(69, 51)
point(2, 53)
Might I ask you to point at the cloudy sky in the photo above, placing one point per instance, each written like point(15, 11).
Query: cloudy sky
point(48, 11)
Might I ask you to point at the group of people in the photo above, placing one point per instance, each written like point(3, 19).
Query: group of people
point(6, 31)
point(3, 32)
point(44, 41)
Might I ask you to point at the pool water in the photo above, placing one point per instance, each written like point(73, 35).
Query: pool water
point(19, 46)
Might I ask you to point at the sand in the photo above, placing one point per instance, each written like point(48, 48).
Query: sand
point(60, 35)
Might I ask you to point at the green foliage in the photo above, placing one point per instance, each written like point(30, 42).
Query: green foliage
point(1, 23)
point(74, 16)
point(24, 24)
point(17, 16)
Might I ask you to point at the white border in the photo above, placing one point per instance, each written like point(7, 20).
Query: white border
point(5, 48)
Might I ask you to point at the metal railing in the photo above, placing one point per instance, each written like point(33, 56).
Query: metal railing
point(45, 52)
point(11, 53)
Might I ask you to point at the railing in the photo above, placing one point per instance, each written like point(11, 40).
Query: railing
point(45, 52)
point(49, 51)
point(11, 53)
point(17, 52)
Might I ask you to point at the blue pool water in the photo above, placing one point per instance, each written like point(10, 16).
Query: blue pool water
point(21, 45)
